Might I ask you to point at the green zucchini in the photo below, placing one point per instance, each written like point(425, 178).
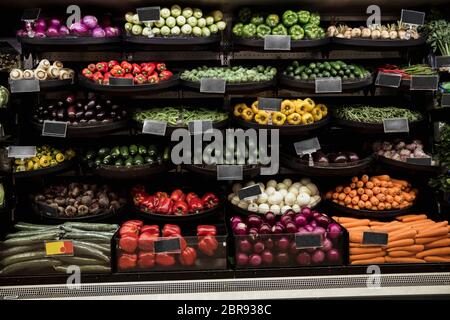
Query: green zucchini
point(29, 226)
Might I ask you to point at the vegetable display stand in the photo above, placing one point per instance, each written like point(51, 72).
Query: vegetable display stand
point(60, 43)
point(135, 88)
point(235, 87)
point(248, 171)
point(88, 130)
point(172, 218)
point(172, 40)
point(291, 82)
point(287, 129)
point(363, 213)
point(295, 44)
point(409, 167)
point(379, 43)
point(46, 85)
point(170, 128)
point(133, 172)
point(62, 167)
point(371, 128)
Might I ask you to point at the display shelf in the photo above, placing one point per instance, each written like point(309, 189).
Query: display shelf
point(405, 166)
point(171, 41)
point(379, 43)
point(291, 82)
point(62, 167)
point(295, 44)
point(151, 216)
point(248, 171)
point(291, 130)
point(235, 87)
point(132, 173)
point(68, 41)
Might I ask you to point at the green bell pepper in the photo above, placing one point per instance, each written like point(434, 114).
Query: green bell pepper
point(303, 16)
point(152, 150)
point(115, 152)
point(107, 160)
point(103, 152)
point(289, 18)
point(249, 30)
point(237, 29)
point(138, 160)
point(124, 152)
point(321, 33)
point(272, 20)
point(314, 18)
point(133, 149)
point(296, 32)
point(257, 19)
point(129, 162)
point(142, 150)
point(263, 30)
point(280, 30)
point(118, 163)
point(312, 34)
point(245, 14)
point(148, 160)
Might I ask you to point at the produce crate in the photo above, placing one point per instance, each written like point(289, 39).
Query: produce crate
point(170, 252)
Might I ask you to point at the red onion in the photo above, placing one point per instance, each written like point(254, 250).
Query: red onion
point(285, 219)
point(292, 228)
point(253, 231)
point(240, 229)
point(334, 230)
point(313, 223)
point(327, 245)
point(309, 228)
point(111, 31)
point(21, 33)
point(63, 30)
point(282, 258)
point(310, 250)
point(318, 256)
point(300, 220)
point(307, 213)
point(302, 230)
point(245, 245)
point(323, 221)
point(254, 221)
point(269, 243)
point(304, 259)
point(290, 213)
point(278, 228)
point(52, 32)
point(55, 22)
point(282, 243)
point(90, 21)
point(39, 34)
point(316, 214)
point(235, 220)
point(270, 218)
point(333, 255)
point(293, 248)
point(40, 25)
point(255, 260)
point(241, 259)
point(98, 32)
point(319, 230)
point(265, 229)
point(79, 28)
point(267, 257)
point(258, 247)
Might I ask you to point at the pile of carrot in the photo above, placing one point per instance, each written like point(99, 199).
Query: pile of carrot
point(411, 239)
point(375, 193)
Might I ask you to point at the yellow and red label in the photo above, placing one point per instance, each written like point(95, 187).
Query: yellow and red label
point(59, 248)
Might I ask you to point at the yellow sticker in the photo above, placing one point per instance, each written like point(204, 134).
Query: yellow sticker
point(58, 248)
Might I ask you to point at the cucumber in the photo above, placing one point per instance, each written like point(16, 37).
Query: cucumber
point(31, 233)
point(23, 241)
point(25, 256)
point(29, 266)
point(29, 226)
point(86, 236)
point(93, 226)
point(20, 249)
point(86, 268)
point(105, 248)
point(83, 250)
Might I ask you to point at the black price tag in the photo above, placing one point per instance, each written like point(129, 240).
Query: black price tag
point(442, 61)
point(308, 240)
point(445, 100)
point(157, 128)
point(147, 14)
point(208, 85)
point(328, 85)
point(394, 125)
point(31, 14)
point(269, 104)
point(424, 82)
point(24, 85)
point(375, 238)
point(113, 81)
point(391, 80)
point(54, 129)
point(229, 172)
point(167, 245)
point(200, 126)
point(412, 17)
point(249, 192)
point(47, 210)
point(419, 161)
point(21, 152)
point(307, 146)
point(277, 42)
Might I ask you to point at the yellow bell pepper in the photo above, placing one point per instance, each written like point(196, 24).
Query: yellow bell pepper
point(238, 109)
point(20, 168)
point(307, 118)
point(36, 166)
point(262, 117)
point(29, 165)
point(278, 118)
point(59, 157)
point(53, 162)
point(254, 107)
point(247, 114)
point(287, 107)
point(294, 118)
point(323, 108)
point(317, 114)
point(300, 107)
point(44, 162)
point(19, 162)
point(309, 104)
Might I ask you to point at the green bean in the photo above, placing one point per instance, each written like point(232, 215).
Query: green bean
point(369, 114)
point(180, 116)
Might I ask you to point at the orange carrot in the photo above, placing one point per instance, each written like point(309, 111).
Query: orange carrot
point(341, 196)
point(361, 222)
point(403, 260)
point(355, 179)
point(367, 256)
point(376, 223)
point(347, 190)
point(437, 259)
point(376, 190)
point(355, 236)
point(383, 177)
point(434, 252)
point(369, 185)
point(368, 192)
point(414, 218)
point(400, 243)
point(339, 188)
point(413, 248)
point(408, 234)
point(364, 197)
point(353, 193)
point(355, 251)
point(399, 253)
point(378, 260)
point(438, 243)
point(434, 232)
point(428, 240)
point(360, 184)
point(347, 200)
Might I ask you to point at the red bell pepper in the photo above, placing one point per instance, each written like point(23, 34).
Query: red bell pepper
point(153, 78)
point(128, 67)
point(180, 208)
point(98, 77)
point(165, 75)
point(127, 261)
point(171, 230)
point(206, 230)
point(208, 245)
point(128, 75)
point(136, 69)
point(161, 66)
point(106, 77)
point(101, 66)
point(161, 195)
point(87, 73)
point(146, 241)
point(196, 205)
point(117, 71)
point(177, 195)
point(137, 223)
point(210, 200)
point(92, 67)
point(128, 242)
point(147, 68)
point(190, 196)
point(140, 79)
point(153, 229)
point(188, 256)
point(112, 63)
point(150, 203)
point(128, 229)
point(164, 206)
point(146, 260)
point(165, 259)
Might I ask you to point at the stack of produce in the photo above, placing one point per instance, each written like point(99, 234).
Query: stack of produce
point(126, 156)
point(4, 97)
point(299, 25)
point(292, 112)
point(438, 36)
point(46, 156)
point(399, 150)
point(411, 239)
point(392, 31)
point(375, 115)
point(233, 154)
point(326, 69)
point(79, 112)
point(179, 116)
point(237, 74)
point(278, 197)
point(78, 200)
point(8, 60)
point(375, 193)
point(137, 242)
point(44, 71)
point(269, 241)
point(23, 252)
point(177, 203)
point(408, 71)
point(442, 182)
point(87, 26)
point(323, 158)
point(177, 21)
point(145, 72)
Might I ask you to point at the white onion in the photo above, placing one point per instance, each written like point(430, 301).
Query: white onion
point(271, 183)
point(303, 199)
point(305, 181)
point(262, 198)
point(293, 190)
point(263, 208)
point(281, 186)
point(285, 208)
point(290, 199)
point(270, 191)
point(287, 182)
point(296, 208)
point(283, 192)
point(275, 209)
point(304, 189)
point(313, 188)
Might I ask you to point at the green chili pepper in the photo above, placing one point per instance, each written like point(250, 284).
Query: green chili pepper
point(263, 30)
point(279, 30)
point(296, 32)
point(289, 18)
point(237, 29)
point(245, 14)
point(257, 19)
point(272, 20)
point(303, 16)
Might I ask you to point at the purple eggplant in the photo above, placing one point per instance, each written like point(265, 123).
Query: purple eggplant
point(352, 156)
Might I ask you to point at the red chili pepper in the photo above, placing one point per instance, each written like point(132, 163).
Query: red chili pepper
point(165, 75)
point(153, 78)
point(208, 245)
point(146, 259)
point(140, 79)
point(146, 241)
point(153, 229)
point(101, 66)
point(171, 230)
point(128, 242)
point(196, 205)
point(136, 69)
point(161, 195)
point(209, 200)
point(87, 73)
point(127, 261)
point(160, 66)
point(165, 259)
point(180, 208)
point(112, 63)
point(177, 195)
point(128, 229)
point(190, 196)
point(128, 67)
point(164, 206)
point(148, 68)
point(92, 67)
point(117, 71)
point(188, 256)
point(206, 230)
